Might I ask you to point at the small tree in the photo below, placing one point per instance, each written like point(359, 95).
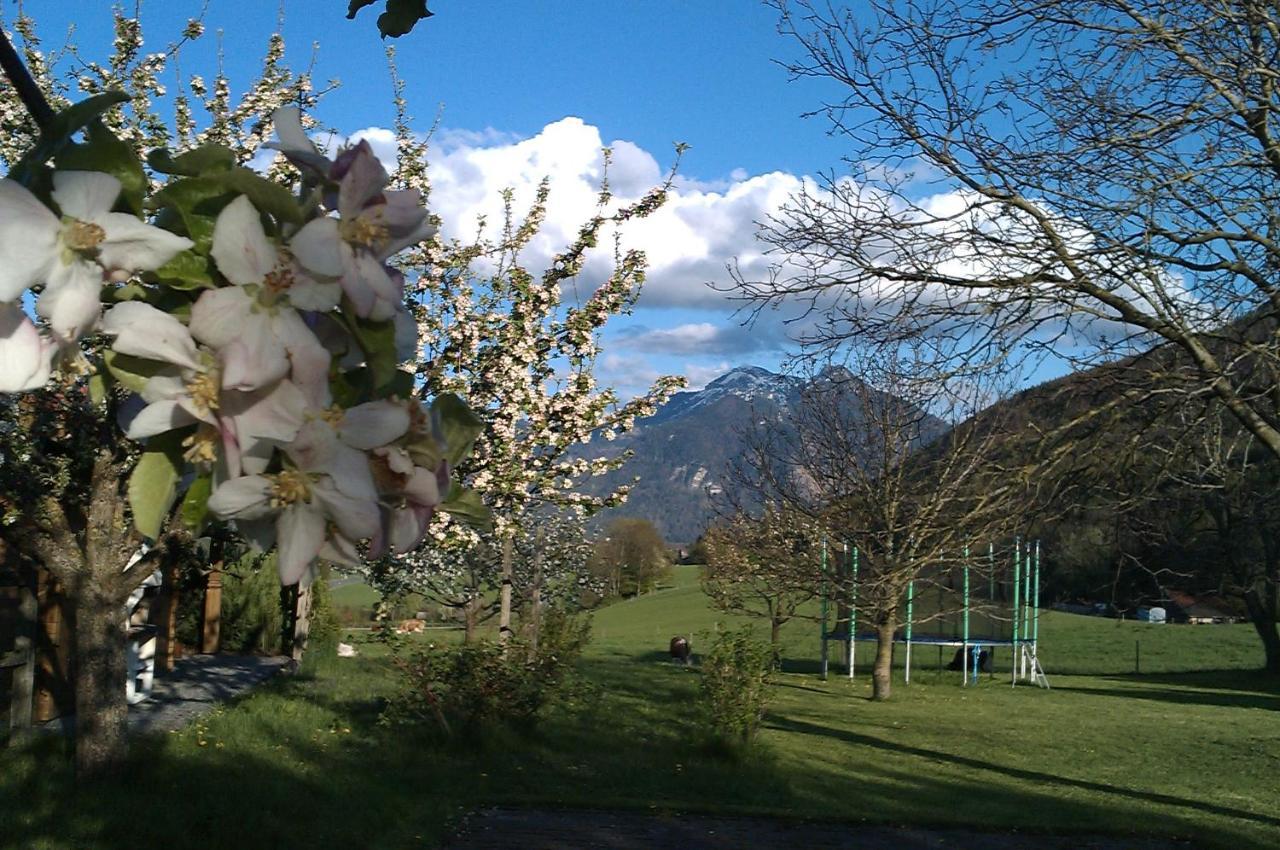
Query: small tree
point(766, 566)
point(868, 454)
point(631, 557)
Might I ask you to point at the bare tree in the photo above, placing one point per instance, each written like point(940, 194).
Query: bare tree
point(1082, 178)
point(871, 455)
point(766, 566)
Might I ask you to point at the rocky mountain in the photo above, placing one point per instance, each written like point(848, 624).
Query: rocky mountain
point(682, 453)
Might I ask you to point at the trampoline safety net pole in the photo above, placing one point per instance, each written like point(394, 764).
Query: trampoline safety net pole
point(911, 594)
point(1017, 596)
point(822, 566)
point(966, 616)
point(1035, 607)
point(853, 605)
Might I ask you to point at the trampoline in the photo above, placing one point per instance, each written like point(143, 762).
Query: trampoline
point(977, 605)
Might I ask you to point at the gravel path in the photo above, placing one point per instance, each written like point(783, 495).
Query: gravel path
point(197, 683)
point(562, 829)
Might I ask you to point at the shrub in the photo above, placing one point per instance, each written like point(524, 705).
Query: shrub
point(735, 686)
point(323, 628)
point(463, 688)
point(250, 620)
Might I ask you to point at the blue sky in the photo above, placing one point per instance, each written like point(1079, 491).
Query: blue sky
point(526, 89)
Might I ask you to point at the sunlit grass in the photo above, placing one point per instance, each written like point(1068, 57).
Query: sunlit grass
point(304, 761)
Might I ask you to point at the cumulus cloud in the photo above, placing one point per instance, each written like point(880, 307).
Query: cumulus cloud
point(703, 226)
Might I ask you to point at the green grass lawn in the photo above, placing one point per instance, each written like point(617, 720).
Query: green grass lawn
point(1191, 749)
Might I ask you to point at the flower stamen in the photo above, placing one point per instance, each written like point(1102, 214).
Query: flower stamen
point(82, 236)
point(204, 389)
point(365, 232)
point(289, 487)
point(202, 446)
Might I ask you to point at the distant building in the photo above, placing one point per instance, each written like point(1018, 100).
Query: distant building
point(1185, 608)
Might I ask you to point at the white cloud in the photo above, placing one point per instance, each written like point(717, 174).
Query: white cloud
point(702, 338)
point(702, 227)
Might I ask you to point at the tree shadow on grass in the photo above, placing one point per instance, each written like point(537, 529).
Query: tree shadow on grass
point(1144, 797)
point(1227, 688)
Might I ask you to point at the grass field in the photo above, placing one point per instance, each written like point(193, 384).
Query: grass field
point(1190, 749)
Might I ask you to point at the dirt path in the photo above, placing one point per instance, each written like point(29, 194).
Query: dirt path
point(562, 829)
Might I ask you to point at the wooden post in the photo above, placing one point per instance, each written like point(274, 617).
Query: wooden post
point(167, 637)
point(54, 696)
point(211, 619)
point(22, 659)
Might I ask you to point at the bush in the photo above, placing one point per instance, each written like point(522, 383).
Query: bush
point(735, 686)
point(323, 628)
point(464, 688)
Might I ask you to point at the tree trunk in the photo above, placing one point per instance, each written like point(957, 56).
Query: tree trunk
point(536, 601)
point(504, 611)
point(775, 635)
point(1264, 623)
point(881, 673)
point(470, 621)
point(102, 713)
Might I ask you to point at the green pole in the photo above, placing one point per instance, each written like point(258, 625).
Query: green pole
point(823, 568)
point(911, 594)
point(1035, 616)
point(1017, 588)
point(1026, 594)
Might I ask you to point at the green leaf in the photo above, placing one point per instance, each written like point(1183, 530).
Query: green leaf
point(401, 16)
point(187, 270)
point(104, 151)
point(153, 486)
point(467, 506)
point(131, 372)
point(64, 125)
point(265, 195)
point(98, 385)
point(195, 504)
point(202, 160)
point(377, 340)
point(208, 194)
point(459, 426)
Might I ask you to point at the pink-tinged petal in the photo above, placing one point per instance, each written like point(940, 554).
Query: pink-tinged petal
point(318, 450)
point(406, 220)
point(254, 361)
point(247, 497)
point(301, 533)
point(340, 550)
point(294, 142)
point(157, 418)
point(408, 527)
point(240, 245)
point(308, 357)
point(72, 300)
point(357, 519)
point(364, 180)
point(168, 385)
point(274, 413)
point(25, 356)
point(143, 331)
point(134, 245)
point(85, 195)
point(317, 247)
point(375, 423)
point(28, 240)
point(232, 465)
point(308, 294)
point(422, 488)
point(287, 121)
point(374, 293)
point(221, 315)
